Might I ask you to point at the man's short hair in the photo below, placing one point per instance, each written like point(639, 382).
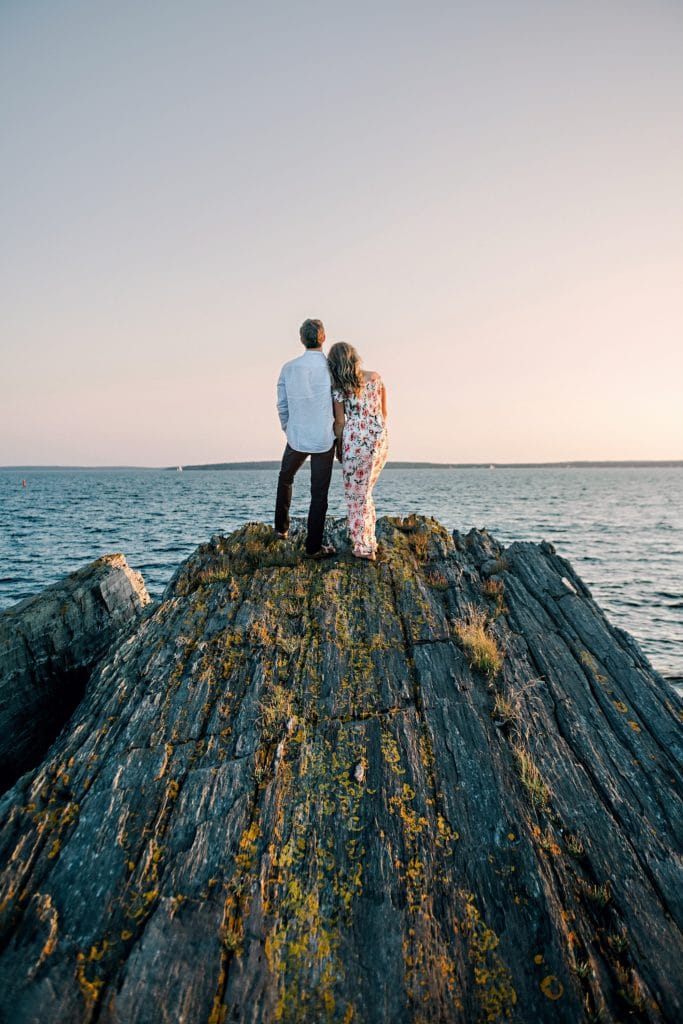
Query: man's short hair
point(312, 333)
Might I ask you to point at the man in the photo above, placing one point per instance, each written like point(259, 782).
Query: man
point(304, 405)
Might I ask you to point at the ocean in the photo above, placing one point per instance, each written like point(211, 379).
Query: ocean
point(621, 528)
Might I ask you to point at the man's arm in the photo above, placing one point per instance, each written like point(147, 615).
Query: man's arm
point(282, 405)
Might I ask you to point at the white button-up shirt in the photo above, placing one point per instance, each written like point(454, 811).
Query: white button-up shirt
point(304, 403)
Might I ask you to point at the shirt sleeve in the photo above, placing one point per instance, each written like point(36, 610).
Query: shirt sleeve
point(282, 405)
point(337, 395)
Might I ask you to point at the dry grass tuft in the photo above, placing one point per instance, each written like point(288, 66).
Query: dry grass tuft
point(481, 649)
point(506, 709)
point(437, 580)
point(419, 544)
point(494, 590)
point(532, 780)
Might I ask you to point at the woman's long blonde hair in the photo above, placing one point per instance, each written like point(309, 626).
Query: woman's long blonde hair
point(347, 375)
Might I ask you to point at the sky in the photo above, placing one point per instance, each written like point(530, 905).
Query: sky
point(483, 198)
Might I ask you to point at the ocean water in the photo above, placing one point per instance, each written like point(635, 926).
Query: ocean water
point(621, 528)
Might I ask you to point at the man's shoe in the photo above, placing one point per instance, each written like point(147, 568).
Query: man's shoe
point(282, 536)
point(326, 551)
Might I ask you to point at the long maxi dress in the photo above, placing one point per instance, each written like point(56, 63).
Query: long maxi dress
point(364, 452)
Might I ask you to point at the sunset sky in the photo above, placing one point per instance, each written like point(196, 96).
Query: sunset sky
point(484, 198)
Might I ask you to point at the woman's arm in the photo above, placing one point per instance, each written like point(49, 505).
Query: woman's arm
point(384, 400)
point(339, 418)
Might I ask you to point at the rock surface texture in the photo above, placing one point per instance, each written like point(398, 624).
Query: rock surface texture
point(440, 787)
point(48, 644)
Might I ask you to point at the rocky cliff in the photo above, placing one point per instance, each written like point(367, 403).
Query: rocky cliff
point(48, 645)
point(440, 787)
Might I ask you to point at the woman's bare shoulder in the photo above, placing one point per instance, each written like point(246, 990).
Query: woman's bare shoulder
point(371, 375)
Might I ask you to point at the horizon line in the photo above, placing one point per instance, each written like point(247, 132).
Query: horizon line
point(392, 464)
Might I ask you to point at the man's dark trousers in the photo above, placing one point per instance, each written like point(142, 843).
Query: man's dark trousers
point(321, 474)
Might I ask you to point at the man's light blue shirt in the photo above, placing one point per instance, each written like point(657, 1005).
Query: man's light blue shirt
point(304, 403)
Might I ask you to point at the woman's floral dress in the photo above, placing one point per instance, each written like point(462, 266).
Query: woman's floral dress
point(364, 452)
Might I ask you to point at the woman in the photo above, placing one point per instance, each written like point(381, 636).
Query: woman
point(360, 410)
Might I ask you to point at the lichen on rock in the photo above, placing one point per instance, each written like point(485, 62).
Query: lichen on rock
point(295, 794)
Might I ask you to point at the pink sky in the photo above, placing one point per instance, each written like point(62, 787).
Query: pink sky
point(484, 199)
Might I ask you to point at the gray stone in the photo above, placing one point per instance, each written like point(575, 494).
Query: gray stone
point(48, 643)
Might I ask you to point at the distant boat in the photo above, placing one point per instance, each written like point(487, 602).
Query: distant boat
point(179, 469)
point(492, 466)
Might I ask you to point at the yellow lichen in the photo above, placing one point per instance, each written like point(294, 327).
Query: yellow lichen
point(47, 913)
point(172, 789)
point(551, 987)
point(496, 994)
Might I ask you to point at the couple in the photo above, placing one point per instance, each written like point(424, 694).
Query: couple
point(323, 405)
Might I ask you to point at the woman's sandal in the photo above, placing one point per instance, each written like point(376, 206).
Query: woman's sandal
point(367, 558)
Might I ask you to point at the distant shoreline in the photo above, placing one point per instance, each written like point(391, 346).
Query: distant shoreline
point(275, 464)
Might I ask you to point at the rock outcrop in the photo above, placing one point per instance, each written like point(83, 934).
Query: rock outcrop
point(48, 644)
point(440, 787)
